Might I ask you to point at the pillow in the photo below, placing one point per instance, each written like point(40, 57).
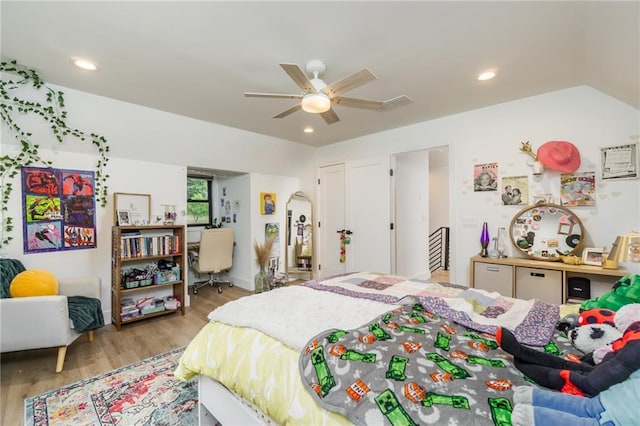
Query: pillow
point(10, 268)
point(34, 282)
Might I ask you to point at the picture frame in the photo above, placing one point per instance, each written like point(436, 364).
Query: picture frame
point(123, 218)
point(267, 203)
point(138, 206)
point(620, 161)
point(592, 256)
point(545, 198)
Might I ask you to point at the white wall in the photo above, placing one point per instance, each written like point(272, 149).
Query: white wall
point(150, 151)
point(147, 134)
point(165, 184)
point(164, 144)
point(283, 187)
point(584, 116)
point(243, 193)
point(238, 190)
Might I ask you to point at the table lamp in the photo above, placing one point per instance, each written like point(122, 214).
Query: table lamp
point(626, 248)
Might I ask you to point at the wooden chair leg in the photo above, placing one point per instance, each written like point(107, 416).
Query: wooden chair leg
point(90, 336)
point(62, 352)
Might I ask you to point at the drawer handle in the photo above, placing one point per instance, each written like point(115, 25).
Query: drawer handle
point(493, 269)
point(537, 274)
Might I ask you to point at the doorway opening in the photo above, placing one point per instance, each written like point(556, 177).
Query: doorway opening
point(420, 208)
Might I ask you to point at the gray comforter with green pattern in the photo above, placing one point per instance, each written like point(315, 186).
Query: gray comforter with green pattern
point(410, 367)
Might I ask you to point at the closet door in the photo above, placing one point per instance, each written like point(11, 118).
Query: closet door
point(360, 203)
point(331, 217)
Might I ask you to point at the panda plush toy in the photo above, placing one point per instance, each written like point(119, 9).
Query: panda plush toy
point(612, 363)
point(615, 402)
point(594, 328)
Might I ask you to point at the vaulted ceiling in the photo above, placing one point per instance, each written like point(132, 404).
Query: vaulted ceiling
point(197, 59)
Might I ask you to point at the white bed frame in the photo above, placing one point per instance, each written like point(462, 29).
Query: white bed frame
point(218, 405)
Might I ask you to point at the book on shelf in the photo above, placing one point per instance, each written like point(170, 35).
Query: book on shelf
point(157, 245)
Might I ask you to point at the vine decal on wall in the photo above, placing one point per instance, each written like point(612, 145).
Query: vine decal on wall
point(52, 110)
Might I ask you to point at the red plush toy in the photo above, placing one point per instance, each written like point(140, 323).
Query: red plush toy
point(581, 378)
point(597, 316)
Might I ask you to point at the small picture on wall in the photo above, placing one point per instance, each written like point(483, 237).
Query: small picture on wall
point(267, 203)
point(578, 189)
point(620, 162)
point(272, 230)
point(485, 177)
point(515, 190)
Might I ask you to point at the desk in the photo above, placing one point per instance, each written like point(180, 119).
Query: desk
point(526, 278)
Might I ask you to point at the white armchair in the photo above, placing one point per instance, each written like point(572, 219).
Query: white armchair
point(43, 321)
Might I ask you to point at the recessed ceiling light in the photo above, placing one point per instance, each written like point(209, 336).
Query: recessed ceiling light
point(85, 64)
point(308, 129)
point(487, 75)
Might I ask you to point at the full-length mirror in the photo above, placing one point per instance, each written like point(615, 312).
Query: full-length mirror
point(546, 231)
point(299, 235)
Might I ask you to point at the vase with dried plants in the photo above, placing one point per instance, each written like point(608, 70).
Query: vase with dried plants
point(263, 252)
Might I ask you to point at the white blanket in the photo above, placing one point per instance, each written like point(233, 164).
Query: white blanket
point(284, 313)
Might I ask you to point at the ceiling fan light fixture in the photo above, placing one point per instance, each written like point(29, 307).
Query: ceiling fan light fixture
point(316, 103)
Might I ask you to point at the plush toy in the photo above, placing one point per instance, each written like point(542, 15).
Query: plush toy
point(613, 406)
point(593, 329)
point(626, 290)
point(591, 316)
point(624, 319)
point(597, 316)
point(567, 322)
point(580, 378)
point(590, 337)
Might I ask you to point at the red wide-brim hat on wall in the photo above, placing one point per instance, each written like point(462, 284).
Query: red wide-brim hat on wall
point(559, 155)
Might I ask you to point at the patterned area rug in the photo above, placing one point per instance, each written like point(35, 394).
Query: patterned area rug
point(143, 393)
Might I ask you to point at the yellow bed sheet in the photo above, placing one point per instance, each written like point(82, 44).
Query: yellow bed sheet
point(257, 367)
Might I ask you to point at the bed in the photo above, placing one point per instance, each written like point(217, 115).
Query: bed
point(266, 358)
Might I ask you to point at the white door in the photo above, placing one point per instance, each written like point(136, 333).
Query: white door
point(359, 203)
point(331, 215)
point(411, 214)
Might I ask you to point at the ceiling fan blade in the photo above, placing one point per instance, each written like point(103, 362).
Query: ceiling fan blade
point(358, 103)
point(330, 116)
point(396, 102)
point(288, 111)
point(299, 77)
point(271, 95)
point(349, 82)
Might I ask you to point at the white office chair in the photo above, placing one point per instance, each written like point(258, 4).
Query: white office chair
point(214, 257)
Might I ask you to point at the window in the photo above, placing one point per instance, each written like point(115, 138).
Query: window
point(199, 211)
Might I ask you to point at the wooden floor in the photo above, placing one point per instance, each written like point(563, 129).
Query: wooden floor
point(29, 373)
point(440, 275)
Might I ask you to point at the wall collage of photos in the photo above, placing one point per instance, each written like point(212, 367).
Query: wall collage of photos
point(58, 209)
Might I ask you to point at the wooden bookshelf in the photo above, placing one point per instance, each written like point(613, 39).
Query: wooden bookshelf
point(142, 247)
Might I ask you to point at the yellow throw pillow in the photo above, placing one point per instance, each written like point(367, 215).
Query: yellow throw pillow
point(34, 282)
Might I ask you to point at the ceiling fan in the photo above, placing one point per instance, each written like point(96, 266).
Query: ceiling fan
point(318, 97)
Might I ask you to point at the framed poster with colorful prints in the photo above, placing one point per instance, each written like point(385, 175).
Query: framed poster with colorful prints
point(58, 209)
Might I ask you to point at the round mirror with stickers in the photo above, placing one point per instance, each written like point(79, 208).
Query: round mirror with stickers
point(546, 232)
